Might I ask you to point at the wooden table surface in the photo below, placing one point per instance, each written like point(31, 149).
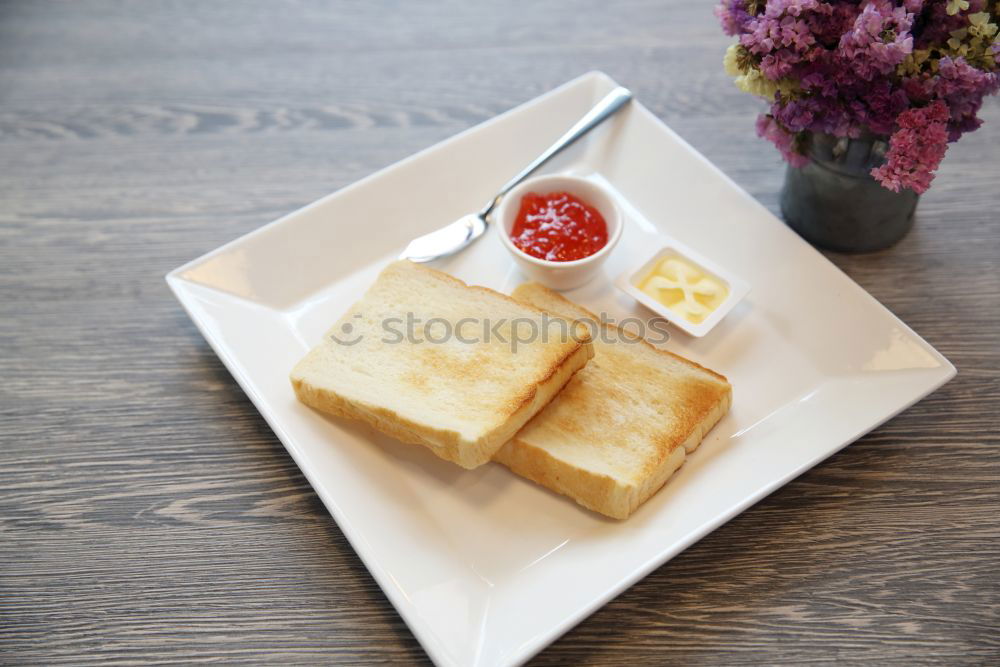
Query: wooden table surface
point(147, 512)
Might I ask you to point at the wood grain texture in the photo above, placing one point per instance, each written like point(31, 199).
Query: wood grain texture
point(148, 514)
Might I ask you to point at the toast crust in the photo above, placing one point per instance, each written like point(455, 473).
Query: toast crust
point(448, 444)
point(602, 493)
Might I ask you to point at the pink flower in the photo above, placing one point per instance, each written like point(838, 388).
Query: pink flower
point(770, 129)
point(915, 149)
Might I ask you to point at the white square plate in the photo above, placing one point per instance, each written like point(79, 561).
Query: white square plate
point(487, 568)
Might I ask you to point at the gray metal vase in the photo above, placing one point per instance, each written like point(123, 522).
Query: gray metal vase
point(834, 203)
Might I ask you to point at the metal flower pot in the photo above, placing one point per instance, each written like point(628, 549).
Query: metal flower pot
point(834, 203)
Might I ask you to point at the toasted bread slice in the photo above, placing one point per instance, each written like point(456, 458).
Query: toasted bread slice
point(622, 425)
point(429, 360)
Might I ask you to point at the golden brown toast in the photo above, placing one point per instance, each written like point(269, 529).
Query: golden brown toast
point(461, 399)
point(622, 425)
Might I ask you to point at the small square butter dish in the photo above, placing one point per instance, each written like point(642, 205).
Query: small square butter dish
point(690, 291)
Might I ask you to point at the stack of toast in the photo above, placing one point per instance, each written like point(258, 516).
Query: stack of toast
point(529, 380)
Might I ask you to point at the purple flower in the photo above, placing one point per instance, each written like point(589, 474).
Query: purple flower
point(846, 67)
point(878, 42)
point(770, 129)
point(733, 16)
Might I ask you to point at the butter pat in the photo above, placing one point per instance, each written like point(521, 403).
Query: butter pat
point(684, 287)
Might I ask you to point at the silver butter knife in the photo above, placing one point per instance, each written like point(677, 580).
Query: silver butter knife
point(451, 238)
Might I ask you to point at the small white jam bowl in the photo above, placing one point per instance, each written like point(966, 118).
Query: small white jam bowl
point(560, 275)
